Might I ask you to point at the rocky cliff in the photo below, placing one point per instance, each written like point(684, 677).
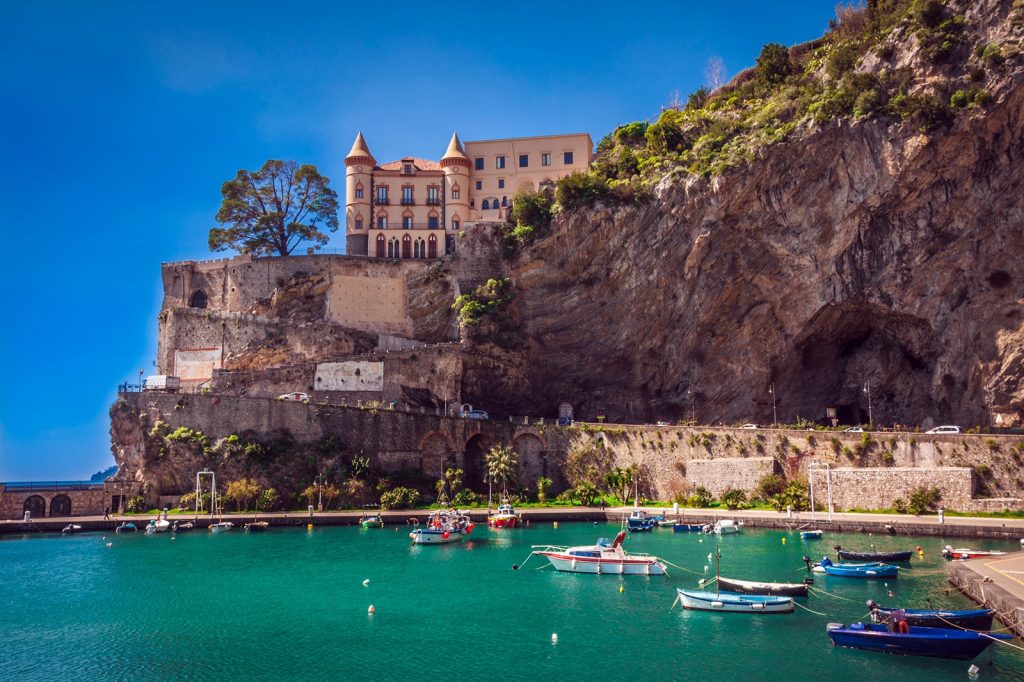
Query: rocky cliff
point(857, 252)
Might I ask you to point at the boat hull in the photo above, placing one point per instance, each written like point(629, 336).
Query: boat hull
point(422, 536)
point(864, 573)
point(845, 555)
point(570, 564)
point(811, 534)
point(502, 522)
point(972, 619)
point(965, 554)
point(919, 641)
point(697, 600)
point(766, 589)
point(687, 527)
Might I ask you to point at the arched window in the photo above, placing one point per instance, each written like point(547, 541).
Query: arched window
point(393, 248)
point(455, 191)
point(198, 299)
point(486, 205)
point(406, 246)
point(504, 201)
point(35, 505)
point(60, 505)
point(381, 248)
point(359, 190)
point(420, 248)
point(432, 247)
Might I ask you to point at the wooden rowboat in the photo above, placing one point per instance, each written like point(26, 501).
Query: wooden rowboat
point(768, 589)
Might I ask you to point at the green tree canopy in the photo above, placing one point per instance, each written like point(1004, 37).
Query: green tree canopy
point(271, 210)
point(502, 465)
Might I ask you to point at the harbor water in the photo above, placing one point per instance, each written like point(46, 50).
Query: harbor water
point(292, 604)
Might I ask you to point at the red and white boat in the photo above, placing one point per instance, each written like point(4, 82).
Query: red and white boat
point(504, 517)
point(604, 557)
point(962, 553)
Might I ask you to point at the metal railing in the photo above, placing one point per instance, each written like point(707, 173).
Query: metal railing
point(28, 486)
point(408, 226)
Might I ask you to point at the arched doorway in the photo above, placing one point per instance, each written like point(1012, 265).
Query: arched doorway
point(432, 247)
point(36, 505)
point(381, 246)
point(198, 299)
point(406, 246)
point(473, 464)
point(60, 505)
point(529, 449)
point(434, 455)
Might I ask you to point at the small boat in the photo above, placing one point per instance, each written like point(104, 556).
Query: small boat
point(639, 522)
point(870, 570)
point(847, 555)
point(970, 619)
point(158, 525)
point(914, 641)
point(372, 521)
point(181, 527)
point(726, 527)
point(504, 517)
point(441, 528)
point(665, 523)
point(735, 603)
point(126, 527)
point(687, 527)
point(768, 589)
point(256, 526)
point(811, 534)
point(603, 557)
point(70, 528)
point(221, 527)
point(963, 554)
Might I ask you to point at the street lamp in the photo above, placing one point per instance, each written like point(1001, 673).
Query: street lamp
point(775, 415)
point(867, 389)
point(319, 492)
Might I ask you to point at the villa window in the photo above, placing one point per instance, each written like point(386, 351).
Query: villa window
point(420, 248)
point(567, 157)
point(499, 162)
point(501, 183)
point(478, 164)
point(407, 196)
point(524, 160)
point(455, 192)
point(432, 222)
point(545, 159)
point(455, 224)
point(382, 195)
point(432, 247)
point(486, 205)
point(407, 222)
point(407, 168)
point(504, 201)
point(406, 246)
point(393, 248)
point(479, 184)
point(380, 246)
point(382, 222)
point(359, 191)
point(432, 197)
point(359, 223)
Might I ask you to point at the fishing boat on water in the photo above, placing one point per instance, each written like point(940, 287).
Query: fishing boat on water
point(70, 529)
point(909, 640)
point(126, 527)
point(868, 570)
point(221, 527)
point(971, 619)
point(811, 534)
point(371, 521)
point(849, 555)
point(603, 557)
point(726, 527)
point(442, 527)
point(767, 589)
point(963, 554)
point(731, 601)
point(640, 522)
point(504, 517)
point(256, 526)
point(158, 525)
point(687, 527)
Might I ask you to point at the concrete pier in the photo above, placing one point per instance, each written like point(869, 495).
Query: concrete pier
point(995, 583)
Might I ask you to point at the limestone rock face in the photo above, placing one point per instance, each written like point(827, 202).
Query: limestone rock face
point(857, 254)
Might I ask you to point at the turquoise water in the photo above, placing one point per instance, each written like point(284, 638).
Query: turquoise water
point(290, 604)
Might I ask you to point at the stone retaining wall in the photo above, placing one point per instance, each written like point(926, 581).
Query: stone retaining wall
point(720, 475)
point(881, 488)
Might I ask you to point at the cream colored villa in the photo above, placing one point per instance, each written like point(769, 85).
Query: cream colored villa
point(413, 208)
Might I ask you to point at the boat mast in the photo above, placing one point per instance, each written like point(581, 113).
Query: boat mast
point(718, 569)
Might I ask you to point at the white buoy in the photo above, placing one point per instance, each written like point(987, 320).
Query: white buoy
point(711, 557)
point(371, 610)
point(110, 544)
point(366, 582)
point(705, 569)
point(554, 638)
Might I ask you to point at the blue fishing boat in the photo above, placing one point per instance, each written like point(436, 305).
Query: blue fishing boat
point(811, 534)
point(971, 619)
point(869, 570)
point(639, 522)
point(687, 527)
point(913, 641)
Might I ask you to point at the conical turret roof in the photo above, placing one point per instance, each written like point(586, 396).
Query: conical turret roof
point(455, 154)
point(359, 149)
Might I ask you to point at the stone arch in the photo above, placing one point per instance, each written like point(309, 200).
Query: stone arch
point(198, 299)
point(60, 505)
point(473, 462)
point(36, 505)
point(435, 449)
point(530, 451)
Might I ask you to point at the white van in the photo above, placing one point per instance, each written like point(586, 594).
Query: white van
point(944, 429)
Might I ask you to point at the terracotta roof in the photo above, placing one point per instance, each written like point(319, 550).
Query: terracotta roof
point(359, 148)
point(421, 164)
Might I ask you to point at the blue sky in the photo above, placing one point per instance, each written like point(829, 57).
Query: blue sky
point(121, 120)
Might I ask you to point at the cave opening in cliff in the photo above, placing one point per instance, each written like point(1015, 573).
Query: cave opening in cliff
point(473, 466)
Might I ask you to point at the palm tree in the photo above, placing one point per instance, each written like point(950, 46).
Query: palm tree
point(502, 466)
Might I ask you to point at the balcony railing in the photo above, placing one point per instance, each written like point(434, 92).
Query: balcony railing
point(408, 201)
point(410, 226)
point(433, 202)
point(381, 201)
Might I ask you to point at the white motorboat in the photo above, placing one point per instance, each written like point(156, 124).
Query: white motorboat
point(603, 557)
point(158, 525)
point(221, 527)
point(442, 527)
point(726, 527)
point(70, 528)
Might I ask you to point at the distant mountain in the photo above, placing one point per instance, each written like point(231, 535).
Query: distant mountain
point(101, 476)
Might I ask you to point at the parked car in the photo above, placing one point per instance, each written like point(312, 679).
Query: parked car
point(476, 414)
point(162, 382)
point(662, 424)
point(944, 429)
point(564, 421)
point(297, 396)
point(749, 426)
point(853, 429)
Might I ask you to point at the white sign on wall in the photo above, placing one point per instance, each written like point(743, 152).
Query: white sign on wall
point(350, 376)
point(196, 364)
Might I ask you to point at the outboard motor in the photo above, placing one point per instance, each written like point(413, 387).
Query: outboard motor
point(807, 560)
